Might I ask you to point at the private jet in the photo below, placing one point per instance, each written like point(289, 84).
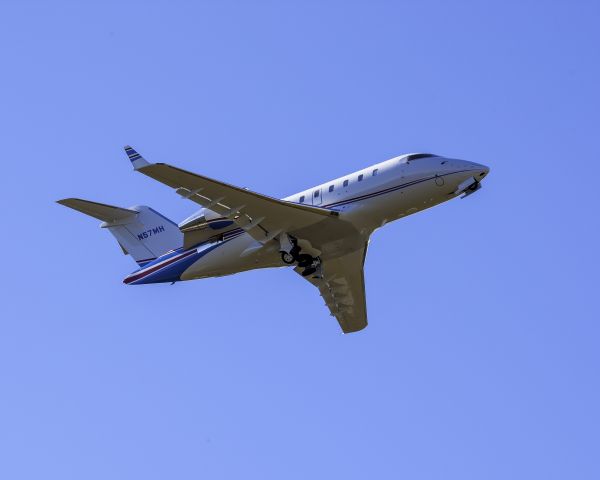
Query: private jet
point(322, 232)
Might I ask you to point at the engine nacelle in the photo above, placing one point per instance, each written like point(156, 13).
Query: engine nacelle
point(204, 218)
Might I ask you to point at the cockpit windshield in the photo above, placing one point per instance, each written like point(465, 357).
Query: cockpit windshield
point(415, 156)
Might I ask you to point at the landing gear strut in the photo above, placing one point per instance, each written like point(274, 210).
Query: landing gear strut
point(290, 254)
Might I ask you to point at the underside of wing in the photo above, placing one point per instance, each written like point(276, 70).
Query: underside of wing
point(341, 283)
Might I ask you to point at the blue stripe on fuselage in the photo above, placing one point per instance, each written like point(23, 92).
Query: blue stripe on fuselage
point(172, 272)
point(153, 272)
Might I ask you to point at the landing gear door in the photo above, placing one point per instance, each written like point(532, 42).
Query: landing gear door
point(317, 197)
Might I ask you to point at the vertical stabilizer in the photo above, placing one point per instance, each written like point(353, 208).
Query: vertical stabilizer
point(141, 231)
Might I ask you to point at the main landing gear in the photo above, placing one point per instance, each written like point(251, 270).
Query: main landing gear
point(292, 255)
point(287, 258)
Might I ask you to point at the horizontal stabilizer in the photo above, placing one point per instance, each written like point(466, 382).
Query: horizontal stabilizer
point(101, 211)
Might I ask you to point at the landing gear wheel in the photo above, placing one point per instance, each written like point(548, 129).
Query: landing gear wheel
point(308, 271)
point(304, 260)
point(287, 258)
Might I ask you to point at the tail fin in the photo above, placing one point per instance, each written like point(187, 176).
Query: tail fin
point(141, 232)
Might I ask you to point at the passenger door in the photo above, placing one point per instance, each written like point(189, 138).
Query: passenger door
point(317, 197)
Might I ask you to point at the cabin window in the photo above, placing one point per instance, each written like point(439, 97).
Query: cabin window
point(302, 199)
point(316, 193)
point(375, 171)
point(345, 183)
point(360, 177)
point(331, 188)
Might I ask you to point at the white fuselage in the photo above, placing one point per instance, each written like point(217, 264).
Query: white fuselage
point(366, 200)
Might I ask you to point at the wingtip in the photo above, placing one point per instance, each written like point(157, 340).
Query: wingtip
point(136, 159)
point(65, 201)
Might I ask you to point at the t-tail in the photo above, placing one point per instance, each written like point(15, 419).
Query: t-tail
point(141, 231)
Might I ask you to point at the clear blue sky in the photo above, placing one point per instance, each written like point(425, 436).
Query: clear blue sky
point(481, 360)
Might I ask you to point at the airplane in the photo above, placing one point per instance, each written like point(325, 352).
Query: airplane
point(322, 232)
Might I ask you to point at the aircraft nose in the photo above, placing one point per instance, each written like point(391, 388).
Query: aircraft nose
point(482, 170)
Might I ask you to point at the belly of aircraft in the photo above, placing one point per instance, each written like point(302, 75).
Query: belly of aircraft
point(232, 256)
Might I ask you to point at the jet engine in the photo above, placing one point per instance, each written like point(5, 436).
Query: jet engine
point(204, 218)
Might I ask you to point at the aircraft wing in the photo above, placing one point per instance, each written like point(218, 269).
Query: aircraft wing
point(342, 286)
point(261, 216)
